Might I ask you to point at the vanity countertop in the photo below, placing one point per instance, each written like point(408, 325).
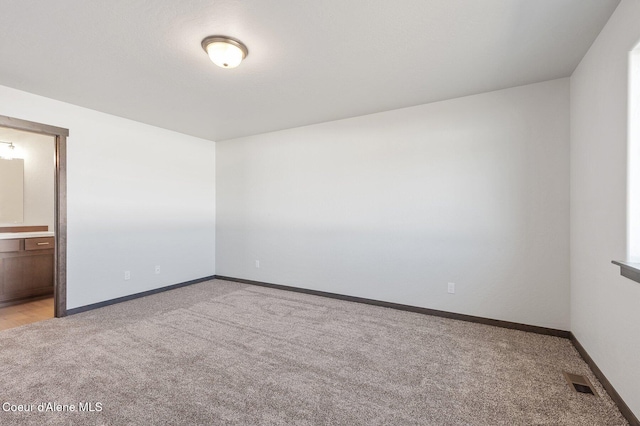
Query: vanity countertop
point(17, 235)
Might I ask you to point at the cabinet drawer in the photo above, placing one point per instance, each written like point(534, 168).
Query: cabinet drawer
point(38, 243)
point(10, 245)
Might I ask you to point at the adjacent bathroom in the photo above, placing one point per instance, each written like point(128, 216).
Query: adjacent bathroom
point(27, 225)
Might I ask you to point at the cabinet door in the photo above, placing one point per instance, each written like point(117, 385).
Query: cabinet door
point(38, 272)
point(13, 276)
point(25, 276)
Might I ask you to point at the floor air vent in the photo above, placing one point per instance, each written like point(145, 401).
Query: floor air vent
point(580, 383)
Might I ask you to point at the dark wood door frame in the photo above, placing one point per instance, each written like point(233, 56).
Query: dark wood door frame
point(60, 262)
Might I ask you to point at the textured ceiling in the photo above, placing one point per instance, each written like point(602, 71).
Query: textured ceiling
point(309, 61)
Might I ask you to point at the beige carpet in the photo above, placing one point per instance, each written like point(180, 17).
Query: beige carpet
point(221, 353)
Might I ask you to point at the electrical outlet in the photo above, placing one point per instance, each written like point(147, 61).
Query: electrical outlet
point(451, 288)
point(157, 269)
point(127, 275)
point(257, 263)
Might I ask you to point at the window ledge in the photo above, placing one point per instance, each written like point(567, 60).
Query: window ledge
point(629, 270)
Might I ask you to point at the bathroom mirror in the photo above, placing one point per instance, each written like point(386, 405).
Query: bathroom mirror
point(11, 191)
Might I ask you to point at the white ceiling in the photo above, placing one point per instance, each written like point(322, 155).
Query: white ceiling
point(309, 61)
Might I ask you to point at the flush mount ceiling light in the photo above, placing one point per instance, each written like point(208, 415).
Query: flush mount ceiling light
point(225, 52)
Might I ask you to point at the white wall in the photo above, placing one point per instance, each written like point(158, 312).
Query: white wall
point(393, 206)
point(11, 194)
point(39, 176)
point(138, 196)
point(605, 307)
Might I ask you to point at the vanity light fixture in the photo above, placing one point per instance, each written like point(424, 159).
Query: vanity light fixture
point(7, 152)
point(225, 52)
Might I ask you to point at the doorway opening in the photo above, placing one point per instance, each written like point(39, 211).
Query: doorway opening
point(33, 229)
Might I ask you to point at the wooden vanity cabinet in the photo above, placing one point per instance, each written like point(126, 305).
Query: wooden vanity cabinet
point(26, 268)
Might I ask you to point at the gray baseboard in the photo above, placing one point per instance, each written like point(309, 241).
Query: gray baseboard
point(136, 296)
point(622, 406)
point(409, 308)
point(615, 396)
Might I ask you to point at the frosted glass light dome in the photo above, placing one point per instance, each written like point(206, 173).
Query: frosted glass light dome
point(225, 52)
